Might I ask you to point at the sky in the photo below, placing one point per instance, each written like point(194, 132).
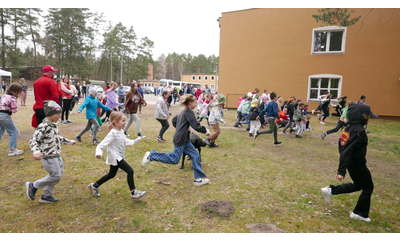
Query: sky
point(176, 25)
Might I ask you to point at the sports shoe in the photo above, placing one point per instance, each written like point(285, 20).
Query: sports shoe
point(68, 121)
point(277, 143)
point(250, 134)
point(78, 138)
point(64, 122)
point(136, 195)
point(312, 112)
point(298, 136)
point(319, 117)
point(139, 135)
point(30, 190)
point(15, 152)
point(95, 142)
point(145, 159)
point(160, 139)
point(327, 194)
point(323, 135)
point(358, 217)
point(207, 141)
point(70, 112)
point(256, 134)
point(94, 190)
point(48, 199)
point(321, 122)
point(201, 181)
point(290, 131)
point(127, 134)
point(212, 144)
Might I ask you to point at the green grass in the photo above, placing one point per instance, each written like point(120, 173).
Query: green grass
point(266, 184)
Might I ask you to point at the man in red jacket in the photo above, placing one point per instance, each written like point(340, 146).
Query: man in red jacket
point(45, 88)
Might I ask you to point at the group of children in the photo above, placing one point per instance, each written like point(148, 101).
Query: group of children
point(46, 141)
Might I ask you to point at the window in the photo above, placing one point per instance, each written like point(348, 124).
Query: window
point(206, 78)
point(193, 78)
point(199, 77)
point(212, 78)
point(318, 84)
point(330, 39)
point(212, 86)
point(152, 84)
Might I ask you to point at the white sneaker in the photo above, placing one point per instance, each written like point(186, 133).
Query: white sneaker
point(70, 112)
point(327, 194)
point(321, 122)
point(137, 194)
point(201, 181)
point(145, 159)
point(313, 111)
point(15, 152)
point(358, 217)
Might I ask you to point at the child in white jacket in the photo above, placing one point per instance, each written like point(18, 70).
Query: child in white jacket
point(115, 142)
point(215, 118)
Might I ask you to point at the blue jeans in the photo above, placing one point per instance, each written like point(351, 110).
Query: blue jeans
point(6, 123)
point(175, 157)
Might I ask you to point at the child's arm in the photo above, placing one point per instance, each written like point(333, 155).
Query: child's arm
point(105, 108)
point(84, 104)
point(66, 141)
point(35, 141)
point(132, 142)
point(103, 144)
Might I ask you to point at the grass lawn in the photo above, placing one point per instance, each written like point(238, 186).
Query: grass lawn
point(266, 184)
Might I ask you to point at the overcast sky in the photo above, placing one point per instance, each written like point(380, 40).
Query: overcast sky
point(181, 26)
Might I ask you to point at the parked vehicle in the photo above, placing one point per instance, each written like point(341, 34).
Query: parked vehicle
point(98, 88)
point(147, 90)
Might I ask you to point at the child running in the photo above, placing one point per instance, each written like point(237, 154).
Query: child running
point(340, 124)
point(215, 119)
point(46, 146)
point(115, 142)
point(298, 119)
point(91, 103)
point(253, 114)
point(182, 142)
point(205, 111)
point(133, 99)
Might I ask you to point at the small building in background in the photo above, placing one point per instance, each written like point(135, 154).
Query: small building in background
point(210, 79)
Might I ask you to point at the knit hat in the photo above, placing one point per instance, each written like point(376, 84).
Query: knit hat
point(51, 108)
point(92, 91)
point(221, 98)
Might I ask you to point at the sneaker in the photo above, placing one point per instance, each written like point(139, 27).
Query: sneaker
point(145, 159)
point(235, 126)
point(358, 217)
point(240, 125)
point(139, 135)
point(284, 132)
point(136, 195)
point(290, 131)
point(298, 136)
point(68, 121)
point(319, 117)
point(94, 190)
point(312, 112)
point(321, 122)
point(213, 144)
point(256, 134)
point(207, 141)
point(106, 120)
point(277, 143)
point(201, 181)
point(30, 190)
point(78, 138)
point(160, 139)
point(70, 112)
point(15, 152)
point(48, 199)
point(250, 134)
point(327, 194)
point(127, 134)
point(323, 135)
point(64, 122)
point(95, 142)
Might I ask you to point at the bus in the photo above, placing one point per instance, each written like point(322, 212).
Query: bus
point(177, 84)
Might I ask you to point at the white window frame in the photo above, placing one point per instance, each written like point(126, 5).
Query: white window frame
point(212, 78)
point(193, 77)
point(205, 78)
point(199, 77)
point(330, 76)
point(329, 29)
point(212, 87)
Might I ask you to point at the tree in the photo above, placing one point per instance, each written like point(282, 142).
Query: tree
point(335, 16)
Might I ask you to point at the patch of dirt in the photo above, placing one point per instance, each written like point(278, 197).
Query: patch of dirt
point(223, 208)
point(264, 228)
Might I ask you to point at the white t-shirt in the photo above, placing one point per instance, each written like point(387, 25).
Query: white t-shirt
point(115, 142)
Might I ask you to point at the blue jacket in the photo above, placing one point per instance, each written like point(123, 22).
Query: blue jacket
point(120, 91)
point(271, 110)
point(91, 105)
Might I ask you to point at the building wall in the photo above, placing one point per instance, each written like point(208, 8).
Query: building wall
point(210, 79)
point(271, 49)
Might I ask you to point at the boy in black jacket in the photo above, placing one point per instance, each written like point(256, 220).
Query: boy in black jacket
point(253, 114)
point(353, 149)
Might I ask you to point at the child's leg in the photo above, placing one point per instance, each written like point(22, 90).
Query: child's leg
point(168, 158)
point(213, 137)
point(256, 124)
point(111, 174)
point(130, 120)
point(55, 168)
point(253, 126)
point(87, 128)
point(191, 151)
point(137, 122)
point(96, 127)
point(299, 127)
point(128, 169)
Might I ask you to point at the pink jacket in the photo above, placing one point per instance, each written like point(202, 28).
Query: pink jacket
point(9, 103)
point(200, 99)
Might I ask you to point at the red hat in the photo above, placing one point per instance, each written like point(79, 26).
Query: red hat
point(49, 68)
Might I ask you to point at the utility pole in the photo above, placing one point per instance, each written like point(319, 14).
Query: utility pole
point(120, 80)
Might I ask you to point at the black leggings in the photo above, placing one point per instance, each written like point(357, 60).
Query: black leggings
point(325, 110)
point(108, 113)
point(164, 126)
point(65, 109)
point(113, 171)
